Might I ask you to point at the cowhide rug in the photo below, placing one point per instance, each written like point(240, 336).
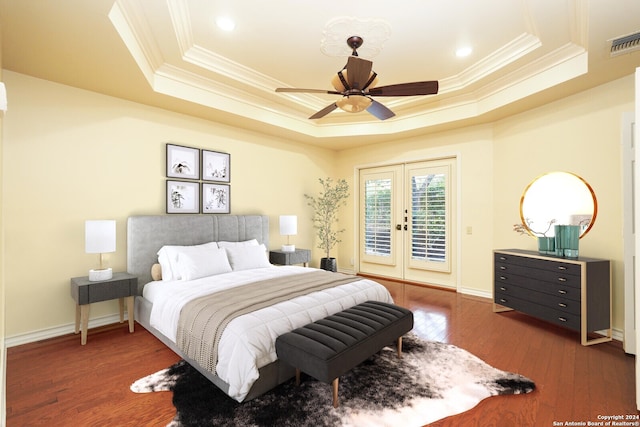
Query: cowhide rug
point(433, 380)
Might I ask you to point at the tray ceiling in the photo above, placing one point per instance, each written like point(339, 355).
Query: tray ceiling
point(172, 54)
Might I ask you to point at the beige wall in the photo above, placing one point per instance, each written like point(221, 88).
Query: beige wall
point(580, 134)
point(76, 155)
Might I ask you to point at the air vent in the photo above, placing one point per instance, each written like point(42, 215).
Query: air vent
point(625, 44)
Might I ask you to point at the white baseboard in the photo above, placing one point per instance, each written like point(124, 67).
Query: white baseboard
point(476, 293)
point(57, 331)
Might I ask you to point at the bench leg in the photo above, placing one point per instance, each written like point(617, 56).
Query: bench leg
point(297, 376)
point(335, 393)
point(400, 348)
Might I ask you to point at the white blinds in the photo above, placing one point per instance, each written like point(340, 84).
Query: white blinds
point(377, 217)
point(429, 217)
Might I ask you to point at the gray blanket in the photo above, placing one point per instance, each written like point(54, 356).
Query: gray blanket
point(203, 319)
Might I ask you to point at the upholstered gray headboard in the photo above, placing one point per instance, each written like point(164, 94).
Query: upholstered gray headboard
point(147, 234)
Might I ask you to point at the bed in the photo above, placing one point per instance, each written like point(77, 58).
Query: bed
point(245, 366)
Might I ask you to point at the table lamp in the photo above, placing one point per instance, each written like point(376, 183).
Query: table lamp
point(100, 238)
point(288, 227)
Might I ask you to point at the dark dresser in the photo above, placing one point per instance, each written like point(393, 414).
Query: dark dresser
point(575, 293)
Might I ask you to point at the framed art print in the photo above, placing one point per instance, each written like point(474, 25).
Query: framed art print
point(183, 197)
point(216, 166)
point(216, 198)
point(183, 162)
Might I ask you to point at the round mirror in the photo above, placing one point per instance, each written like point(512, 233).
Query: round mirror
point(558, 198)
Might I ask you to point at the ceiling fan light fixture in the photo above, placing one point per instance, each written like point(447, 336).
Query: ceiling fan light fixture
point(354, 103)
point(339, 87)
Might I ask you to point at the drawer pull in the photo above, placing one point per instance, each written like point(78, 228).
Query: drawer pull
point(502, 258)
point(562, 267)
point(562, 319)
point(563, 305)
point(562, 279)
point(502, 288)
point(502, 267)
point(562, 291)
point(503, 278)
point(503, 300)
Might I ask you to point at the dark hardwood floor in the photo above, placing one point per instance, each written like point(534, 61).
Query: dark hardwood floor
point(58, 382)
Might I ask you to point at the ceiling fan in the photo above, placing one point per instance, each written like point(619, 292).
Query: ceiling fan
point(356, 83)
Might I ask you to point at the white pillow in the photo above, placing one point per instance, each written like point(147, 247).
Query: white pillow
point(252, 242)
point(168, 259)
point(245, 257)
point(197, 262)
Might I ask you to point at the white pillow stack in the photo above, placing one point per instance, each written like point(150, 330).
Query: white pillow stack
point(210, 259)
point(247, 257)
point(168, 259)
point(202, 262)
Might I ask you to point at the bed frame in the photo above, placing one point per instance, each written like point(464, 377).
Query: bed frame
point(147, 234)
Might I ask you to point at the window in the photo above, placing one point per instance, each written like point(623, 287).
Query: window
point(377, 218)
point(428, 217)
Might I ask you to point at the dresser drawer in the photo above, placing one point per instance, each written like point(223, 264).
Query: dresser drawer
point(559, 266)
point(540, 311)
point(566, 280)
point(558, 303)
point(557, 288)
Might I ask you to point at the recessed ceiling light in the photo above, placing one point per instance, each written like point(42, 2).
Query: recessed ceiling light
point(464, 51)
point(225, 23)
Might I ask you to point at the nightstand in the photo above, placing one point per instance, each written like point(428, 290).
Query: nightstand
point(123, 286)
point(299, 256)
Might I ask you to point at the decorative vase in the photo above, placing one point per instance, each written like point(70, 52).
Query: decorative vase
point(329, 264)
point(567, 240)
point(546, 245)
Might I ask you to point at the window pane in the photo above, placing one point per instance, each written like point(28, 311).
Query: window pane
point(428, 217)
point(378, 217)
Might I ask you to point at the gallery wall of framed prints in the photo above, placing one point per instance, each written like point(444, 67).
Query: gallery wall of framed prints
point(198, 180)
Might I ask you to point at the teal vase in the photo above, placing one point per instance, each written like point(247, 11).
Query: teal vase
point(567, 240)
point(546, 246)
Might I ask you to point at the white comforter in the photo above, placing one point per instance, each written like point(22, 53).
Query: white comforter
point(248, 342)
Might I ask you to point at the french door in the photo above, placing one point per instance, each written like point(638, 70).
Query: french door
point(407, 221)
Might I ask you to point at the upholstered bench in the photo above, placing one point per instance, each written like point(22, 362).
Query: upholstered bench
point(332, 346)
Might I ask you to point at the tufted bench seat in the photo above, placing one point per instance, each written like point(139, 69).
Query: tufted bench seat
point(332, 346)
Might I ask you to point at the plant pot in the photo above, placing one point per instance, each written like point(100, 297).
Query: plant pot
point(329, 264)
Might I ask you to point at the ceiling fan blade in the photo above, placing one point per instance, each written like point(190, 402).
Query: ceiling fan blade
point(326, 110)
point(296, 90)
point(379, 110)
point(406, 89)
point(358, 71)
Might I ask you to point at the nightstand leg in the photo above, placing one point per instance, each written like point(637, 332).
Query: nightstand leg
point(121, 304)
point(84, 318)
point(77, 329)
point(130, 304)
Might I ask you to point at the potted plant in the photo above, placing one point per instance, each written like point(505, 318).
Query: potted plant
point(325, 214)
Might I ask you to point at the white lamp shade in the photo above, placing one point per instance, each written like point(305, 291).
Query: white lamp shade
point(100, 236)
point(288, 225)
